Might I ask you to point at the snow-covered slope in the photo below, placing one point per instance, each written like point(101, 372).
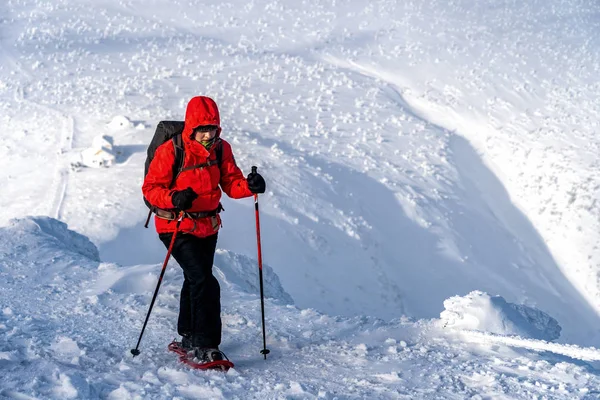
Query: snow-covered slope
point(414, 152)
point(377, 201)
point(67, 322)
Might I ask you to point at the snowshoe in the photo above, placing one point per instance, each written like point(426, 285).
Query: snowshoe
point(200, 358)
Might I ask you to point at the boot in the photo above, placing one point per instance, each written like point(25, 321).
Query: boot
point(206, 355)
point(186, 343)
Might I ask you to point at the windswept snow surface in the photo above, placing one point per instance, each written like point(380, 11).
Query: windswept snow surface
point(413, 152)
point(68, 320)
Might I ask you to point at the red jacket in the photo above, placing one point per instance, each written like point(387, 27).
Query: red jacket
point(204, 181)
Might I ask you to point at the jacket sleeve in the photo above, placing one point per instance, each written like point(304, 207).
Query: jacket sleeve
point(160, 173)
point(232, 181)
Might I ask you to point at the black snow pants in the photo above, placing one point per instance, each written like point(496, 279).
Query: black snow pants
point(200, 301)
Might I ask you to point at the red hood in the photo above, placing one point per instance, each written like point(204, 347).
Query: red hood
point(201, 110)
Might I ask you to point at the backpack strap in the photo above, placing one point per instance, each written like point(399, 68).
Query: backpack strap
point(177, 164)
point(203, 165)
point(179, 157)
point(219, 152)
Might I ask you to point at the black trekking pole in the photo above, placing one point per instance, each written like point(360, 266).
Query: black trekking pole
point(264, 351)
point(135, 351)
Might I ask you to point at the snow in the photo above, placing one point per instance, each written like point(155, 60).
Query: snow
point(235, 267)
point(120, 122)
point(482, 312)
point(100, 154)
point(431, 215)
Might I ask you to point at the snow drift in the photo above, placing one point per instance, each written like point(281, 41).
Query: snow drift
point(48, 238)
point(481, 312)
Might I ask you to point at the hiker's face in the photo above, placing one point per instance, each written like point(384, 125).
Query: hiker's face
point(204, 135)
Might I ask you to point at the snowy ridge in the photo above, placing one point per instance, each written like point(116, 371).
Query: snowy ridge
point(74, 342)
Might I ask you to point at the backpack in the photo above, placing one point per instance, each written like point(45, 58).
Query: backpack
point(171, 130)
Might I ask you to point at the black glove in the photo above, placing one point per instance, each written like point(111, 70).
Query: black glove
point(183, 199)
point(256, 183)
